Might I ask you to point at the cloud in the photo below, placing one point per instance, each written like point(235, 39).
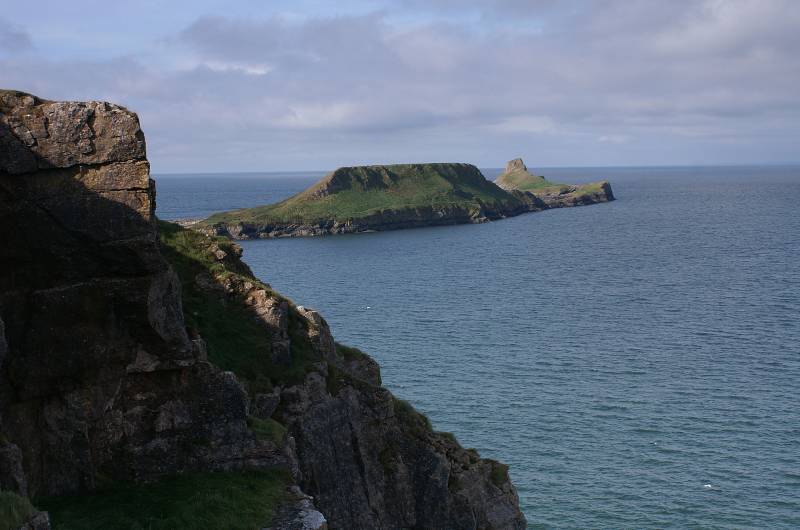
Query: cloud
point(13, 39)
point(572, 82)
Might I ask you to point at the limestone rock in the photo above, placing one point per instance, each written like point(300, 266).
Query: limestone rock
point(264, 405)
point(516, 165)
point(39, 521)
point(299, 514)
point(97, 373)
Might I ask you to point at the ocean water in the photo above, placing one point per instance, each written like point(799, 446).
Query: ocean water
point(637, 363)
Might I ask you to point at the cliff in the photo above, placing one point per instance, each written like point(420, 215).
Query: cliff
point(144, 370)
point(378, 198)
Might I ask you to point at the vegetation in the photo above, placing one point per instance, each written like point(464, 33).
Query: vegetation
point(448, 436)
point(236, 341)
point(524, 180)
point(499, 473)
point(355, 192)
point(349, 353)
point(415, 421)
point(268, 429)
point(202, 501)
point(14, 510)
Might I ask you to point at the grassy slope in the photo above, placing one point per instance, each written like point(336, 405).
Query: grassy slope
point(370, 189)
point(525, 181)
point(14, 510)
point(235, 340)
point(202, 501)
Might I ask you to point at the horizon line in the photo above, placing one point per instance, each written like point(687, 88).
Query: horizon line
point(636, 166)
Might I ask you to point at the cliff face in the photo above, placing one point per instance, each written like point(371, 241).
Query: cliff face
point(98, 378)
point(368, 459)
point(103, 378)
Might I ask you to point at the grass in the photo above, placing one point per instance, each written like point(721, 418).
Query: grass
point(355, 192)
point(201, 501)
point(235, 339)
point(14, 510)
point(594, 187)
point(415, 421)
point(525, 181)
point(499, 474)
point(268, 429)
point(349, 353)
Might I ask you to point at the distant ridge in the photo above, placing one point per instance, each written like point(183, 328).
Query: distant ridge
point(390, 197)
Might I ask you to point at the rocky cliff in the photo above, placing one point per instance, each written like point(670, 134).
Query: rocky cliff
point(379, 198)
point(106, 380)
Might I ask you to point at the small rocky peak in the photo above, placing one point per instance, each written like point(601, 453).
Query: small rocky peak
point(516, 165)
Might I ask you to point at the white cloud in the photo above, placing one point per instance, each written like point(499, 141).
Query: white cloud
point(551, 78)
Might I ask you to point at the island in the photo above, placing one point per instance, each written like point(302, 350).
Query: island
point(390, 197)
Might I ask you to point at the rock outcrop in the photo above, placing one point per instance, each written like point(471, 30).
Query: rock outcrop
point(368, 459)
point(98, 377)
point(516, 165)
point(104, 377)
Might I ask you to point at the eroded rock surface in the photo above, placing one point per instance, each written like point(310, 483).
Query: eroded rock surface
point(368, 459)
point(98, 376)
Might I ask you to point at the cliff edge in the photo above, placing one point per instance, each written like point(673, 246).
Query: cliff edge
point(139, 360)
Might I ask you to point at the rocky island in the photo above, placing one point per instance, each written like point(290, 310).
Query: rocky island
point(149, 380)
point(390, 197)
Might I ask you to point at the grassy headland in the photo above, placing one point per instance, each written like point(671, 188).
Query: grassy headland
point(354, 192)
point(375, 198)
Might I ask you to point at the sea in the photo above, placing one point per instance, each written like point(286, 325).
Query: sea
point(636, 363)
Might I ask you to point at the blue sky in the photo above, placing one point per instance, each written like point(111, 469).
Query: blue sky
point(301, 85)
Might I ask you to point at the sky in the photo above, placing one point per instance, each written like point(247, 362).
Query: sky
point(246, 85)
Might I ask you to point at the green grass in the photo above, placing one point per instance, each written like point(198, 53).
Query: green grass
point(499, 474)
point(202, 501)
point(349, 353)
point(235, 339)
point(357, 192)
point(415, 421)
point(524, 181)
point(268, 429)
point(14, 510)
point(594, 187)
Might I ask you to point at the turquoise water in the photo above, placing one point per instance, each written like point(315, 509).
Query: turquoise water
point(636, 363)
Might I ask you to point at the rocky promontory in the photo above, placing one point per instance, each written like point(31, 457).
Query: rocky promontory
point(519, 180)
point(144, 370)
point(391, 197)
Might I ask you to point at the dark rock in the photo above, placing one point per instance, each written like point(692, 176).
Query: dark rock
point(39, 521)
point(264, 405)
point(98, 376)
point(298, 514)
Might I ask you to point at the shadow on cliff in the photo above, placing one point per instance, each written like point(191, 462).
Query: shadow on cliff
point(84, 291)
